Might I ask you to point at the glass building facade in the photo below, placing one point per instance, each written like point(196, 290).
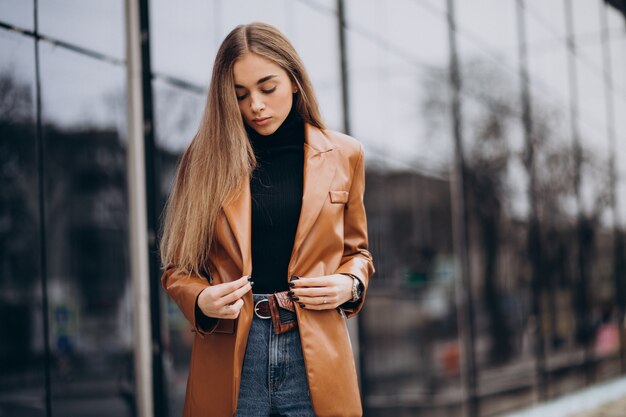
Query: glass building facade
point(495, 142)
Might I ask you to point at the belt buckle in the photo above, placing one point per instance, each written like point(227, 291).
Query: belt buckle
point(256, 309)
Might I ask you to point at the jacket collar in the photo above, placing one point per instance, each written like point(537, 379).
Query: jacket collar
point(316, 139)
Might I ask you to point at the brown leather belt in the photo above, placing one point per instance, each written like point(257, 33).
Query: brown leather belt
point(262, 309)
point(280, 309)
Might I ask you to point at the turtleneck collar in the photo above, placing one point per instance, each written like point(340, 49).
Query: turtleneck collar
point(290, 132)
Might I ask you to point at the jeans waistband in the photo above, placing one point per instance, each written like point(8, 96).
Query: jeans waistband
point(260, 296)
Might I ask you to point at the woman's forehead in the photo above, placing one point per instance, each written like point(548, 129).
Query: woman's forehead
point(251, 69)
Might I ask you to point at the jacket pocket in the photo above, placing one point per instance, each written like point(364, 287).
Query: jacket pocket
point(338, 197)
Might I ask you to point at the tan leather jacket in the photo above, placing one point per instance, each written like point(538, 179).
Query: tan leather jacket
point(331, 238)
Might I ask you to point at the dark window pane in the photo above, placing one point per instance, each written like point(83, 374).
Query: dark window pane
point(596, 221)
point(22, 354)
point(498, 207)
point(618, 61)
point(555, 194)
point(87, 235)
point(398, 88)
point(577, 221)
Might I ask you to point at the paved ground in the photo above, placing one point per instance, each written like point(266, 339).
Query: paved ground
point(601, 400)
point(611, 409)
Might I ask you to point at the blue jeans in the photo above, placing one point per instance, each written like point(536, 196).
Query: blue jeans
point(273, 378)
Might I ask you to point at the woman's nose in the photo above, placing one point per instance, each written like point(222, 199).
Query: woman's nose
point(257, 104)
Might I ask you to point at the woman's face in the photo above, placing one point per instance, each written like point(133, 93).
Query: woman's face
point(264, 92)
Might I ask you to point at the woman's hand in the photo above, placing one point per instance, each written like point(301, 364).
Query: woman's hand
point(322, 293)
point(223, 301)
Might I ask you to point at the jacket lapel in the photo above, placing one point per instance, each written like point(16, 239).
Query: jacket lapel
point(319, 170)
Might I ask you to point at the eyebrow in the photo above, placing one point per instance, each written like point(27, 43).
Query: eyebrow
point(261, 80)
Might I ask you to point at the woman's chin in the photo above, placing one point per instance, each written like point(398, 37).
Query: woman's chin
point(264, 130)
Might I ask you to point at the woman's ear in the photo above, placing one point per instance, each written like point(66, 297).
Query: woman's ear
point(294, 84)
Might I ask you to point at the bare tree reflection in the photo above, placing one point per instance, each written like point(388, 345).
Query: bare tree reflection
point(86, 219)
point(560, 245)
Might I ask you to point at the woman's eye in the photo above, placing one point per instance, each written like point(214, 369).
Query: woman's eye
point(269, 91)
point(241, 97)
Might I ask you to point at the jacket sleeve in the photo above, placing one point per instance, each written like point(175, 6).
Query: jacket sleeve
point(356, 259)
point(184, 290)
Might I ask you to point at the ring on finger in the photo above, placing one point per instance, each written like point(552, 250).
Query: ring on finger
point(227, 307)
point(324, 300)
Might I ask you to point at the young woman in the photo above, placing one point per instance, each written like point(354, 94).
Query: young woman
point(265, 241)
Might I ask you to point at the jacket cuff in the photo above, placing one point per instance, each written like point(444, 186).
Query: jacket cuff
point(352, 307)
point(204, 324)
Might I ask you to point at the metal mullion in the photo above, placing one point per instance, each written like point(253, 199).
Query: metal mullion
point(41, 186)
point(534, 232)
point(460, 226)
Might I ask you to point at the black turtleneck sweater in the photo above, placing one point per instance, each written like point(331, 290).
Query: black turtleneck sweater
point(276, 191)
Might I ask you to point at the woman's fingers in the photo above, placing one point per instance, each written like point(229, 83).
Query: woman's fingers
point(320, 301)
point(315, 291)
point(311, 282)
point(224, 300)
point(235, 295)
point(321, 293)
point(314, 296)
point(232, 310)
point(228, 311)
point(221, 290)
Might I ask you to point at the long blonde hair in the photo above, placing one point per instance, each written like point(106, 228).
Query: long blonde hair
point(220, 156)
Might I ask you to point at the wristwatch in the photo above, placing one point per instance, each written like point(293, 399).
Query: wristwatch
point(357, 289)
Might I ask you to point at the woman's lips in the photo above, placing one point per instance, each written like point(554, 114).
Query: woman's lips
point(261, 121)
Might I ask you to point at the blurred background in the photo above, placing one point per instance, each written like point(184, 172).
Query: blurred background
point(495, 138)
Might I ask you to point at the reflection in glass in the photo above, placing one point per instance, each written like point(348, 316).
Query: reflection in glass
point(556, 203)
point(22, 354)
point(606, 283)
point(322, 64)
point(184, 39)
point(496, 180)
point(178, 114)
point(235, 12)
point(18, 13)
point(399, 111)
point(89, 288)
point(594, 286)
point(92, 24)
point(547, 63)
point(89, 96)
point(617, 44)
